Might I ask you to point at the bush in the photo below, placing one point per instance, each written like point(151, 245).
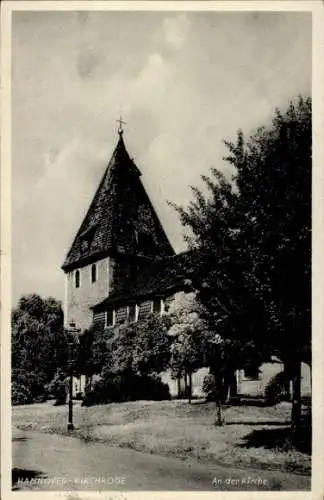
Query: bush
point(121, 387)
point(208, 387)
point(57, 388)
point(42, 398)
point(27, 387)
point(277, 389)
point(92, 397)
point(20, 394)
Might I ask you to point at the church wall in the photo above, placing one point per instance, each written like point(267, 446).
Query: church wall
point(246, 387)
point(79, 300)
point(267, 372)
point(253, 388)
point(144, 309)
point(99, 320)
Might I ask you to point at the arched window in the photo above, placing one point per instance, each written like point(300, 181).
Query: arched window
point(77, 278)
point(93, 273)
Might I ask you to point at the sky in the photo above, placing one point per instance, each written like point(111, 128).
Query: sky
point(182, 81)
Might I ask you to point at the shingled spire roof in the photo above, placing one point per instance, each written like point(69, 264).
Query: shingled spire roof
point(120, 219)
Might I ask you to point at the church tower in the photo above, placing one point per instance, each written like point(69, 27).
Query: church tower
point(120, 234)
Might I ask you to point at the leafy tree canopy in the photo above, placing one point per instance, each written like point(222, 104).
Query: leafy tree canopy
point(38, 342)
point(251, 237)
point(142, 347)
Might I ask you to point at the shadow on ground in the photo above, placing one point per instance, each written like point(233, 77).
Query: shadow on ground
point(237, 401)
point(244, 401)
point(23, 475)
point(258, 423)
point(281, 439)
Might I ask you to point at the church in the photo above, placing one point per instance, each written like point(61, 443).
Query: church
point(121, 266)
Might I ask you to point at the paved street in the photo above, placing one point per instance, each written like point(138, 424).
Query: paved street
point(53, 462)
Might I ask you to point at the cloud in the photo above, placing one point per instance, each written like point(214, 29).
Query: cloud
point(183, 82)
point(87, 62)
point(152, 81)
point(176, 30)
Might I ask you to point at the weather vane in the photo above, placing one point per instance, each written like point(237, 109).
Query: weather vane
point(120, 128)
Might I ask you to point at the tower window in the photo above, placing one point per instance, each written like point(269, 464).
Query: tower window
point(77, 278)
point(86, 239)
point(93, 273)
point(84, 242)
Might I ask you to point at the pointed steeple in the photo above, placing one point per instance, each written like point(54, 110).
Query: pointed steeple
point(120, 219)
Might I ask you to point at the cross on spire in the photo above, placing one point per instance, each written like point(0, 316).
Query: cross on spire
point(120, 128)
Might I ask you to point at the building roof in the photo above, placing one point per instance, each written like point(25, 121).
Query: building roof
point(120, 218)
point(157, 279)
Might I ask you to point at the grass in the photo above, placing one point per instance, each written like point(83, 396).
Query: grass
point(256, 437)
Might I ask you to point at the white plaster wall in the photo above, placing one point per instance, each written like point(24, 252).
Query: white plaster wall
point(79, 300)
point(268, 371)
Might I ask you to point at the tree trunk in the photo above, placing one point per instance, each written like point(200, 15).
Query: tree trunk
point(219, 420)
point(224, 387)
point(219, 417)
point(292, 368)
point(88, 383)
point(288, 379)
point(230, 386)
point(296, 395)
point(233, 386)
point(219, 395)
point(186, 385)
point(190, 387)
point(179, 387)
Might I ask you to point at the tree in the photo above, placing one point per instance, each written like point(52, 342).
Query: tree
point(38, 343)
point(274, 182)
point(129, 358)
point(93, 354)
point(251, 242)
point(58, 387)
point(216, 355)
point(142, 348)
point(188, 330)
point(151, 354)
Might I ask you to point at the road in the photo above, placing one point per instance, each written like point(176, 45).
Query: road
point(62, 463)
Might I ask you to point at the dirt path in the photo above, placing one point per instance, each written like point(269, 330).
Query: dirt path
point(61, 463)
